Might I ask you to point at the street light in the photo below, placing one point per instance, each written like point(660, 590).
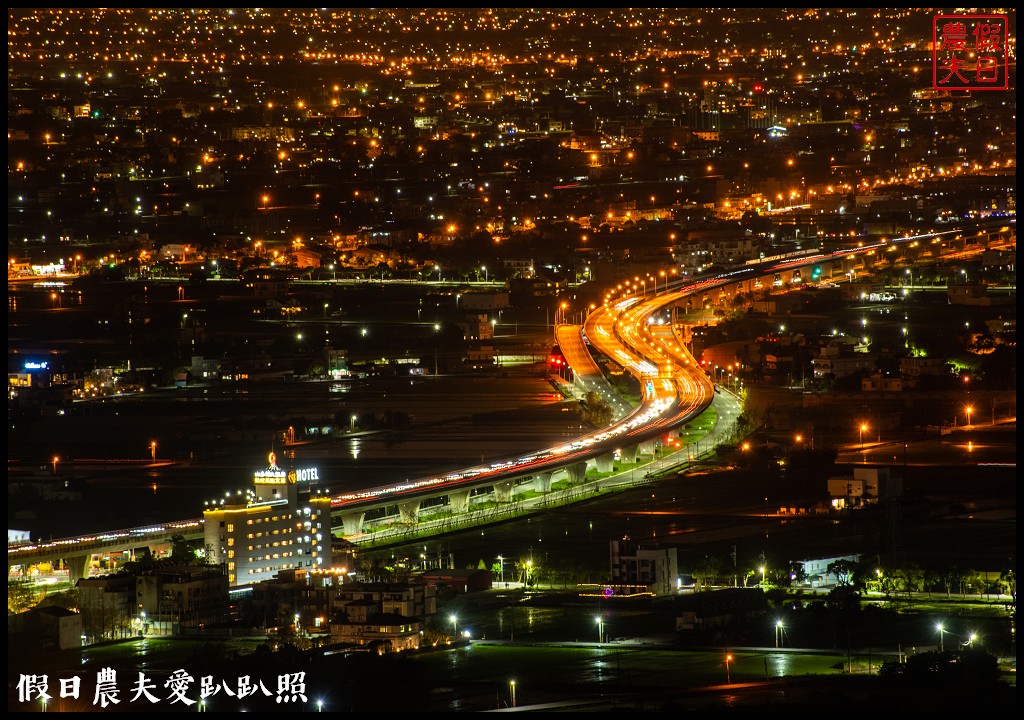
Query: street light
point(501, 563)
point(728, 679)
point(152, 450)
point(484, 268)
point(600, 628)
point(863, 427)
point(778, 632)
point(512, 689)
point(762, 569)
point(455, 624)
point(942, 632)
point(969, 410)
point(56, 459)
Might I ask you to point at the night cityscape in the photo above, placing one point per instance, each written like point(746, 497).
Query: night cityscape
point(511, 359)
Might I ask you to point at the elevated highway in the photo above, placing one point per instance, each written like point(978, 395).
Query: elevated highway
point(633, 331)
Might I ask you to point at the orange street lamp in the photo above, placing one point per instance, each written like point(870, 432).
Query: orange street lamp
point(863, 427)
point(56, 459)
point(152, 450)
point(728, 679)
point(969, 411)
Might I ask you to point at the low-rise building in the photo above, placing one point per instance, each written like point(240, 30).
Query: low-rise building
point(652, 566)
point(156, 598)
point(388, 616)
point(462, 581)
point(44, 628)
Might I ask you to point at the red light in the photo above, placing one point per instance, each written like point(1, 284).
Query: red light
point(758, 88)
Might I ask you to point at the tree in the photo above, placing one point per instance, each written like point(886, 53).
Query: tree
point(1008, 584)
point(67, 599)
point(707, 572)
point(19, 596)
point(181, 551)
point(596, 411)
point(848, 573)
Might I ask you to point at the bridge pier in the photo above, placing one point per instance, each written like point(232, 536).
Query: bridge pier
point(628, 454)
point(503, 491)
point(576, 472)
point(606, 462)
point(352, 522)
point(77, 567)
point(409, 511)
point(458, 500)
point(646, 447)
point(542, 482)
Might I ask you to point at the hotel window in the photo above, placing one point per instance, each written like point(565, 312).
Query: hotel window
point(231, 527)
point(231, 541)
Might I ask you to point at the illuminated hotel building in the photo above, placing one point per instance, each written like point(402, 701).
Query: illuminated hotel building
point(283, 525)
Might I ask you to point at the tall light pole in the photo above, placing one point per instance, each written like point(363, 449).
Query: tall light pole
point(437, 328)
point(152, 450)
point(501, 564)
point(863, 427)
point(484, 268)
point(56, 459)
point(762, 569)
point(969, 410)
point(455, 625)
point(778, 632)
point(942, 631)
point(600, 629)
point(728, 678)
point(512, 691)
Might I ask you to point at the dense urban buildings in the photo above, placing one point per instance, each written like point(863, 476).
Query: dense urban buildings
point(350, 237)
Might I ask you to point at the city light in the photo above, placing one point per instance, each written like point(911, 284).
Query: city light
point(799, 211)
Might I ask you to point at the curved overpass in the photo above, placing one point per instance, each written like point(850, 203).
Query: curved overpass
point(673, 390)
point(627, 331)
